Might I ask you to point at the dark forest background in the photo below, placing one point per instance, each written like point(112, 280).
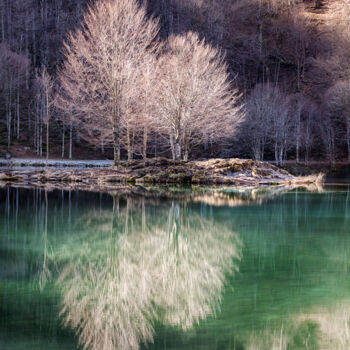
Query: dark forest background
point(276, 51)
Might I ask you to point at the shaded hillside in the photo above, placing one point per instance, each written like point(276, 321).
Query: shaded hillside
point(292, 45)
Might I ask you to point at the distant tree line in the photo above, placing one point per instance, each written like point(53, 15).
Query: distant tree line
point(267, 79)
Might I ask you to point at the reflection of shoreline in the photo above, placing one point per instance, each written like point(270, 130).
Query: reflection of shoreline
point(323, 328)
point(290, 238)
point(213, 195)
point(124, 277)
point(234, 197)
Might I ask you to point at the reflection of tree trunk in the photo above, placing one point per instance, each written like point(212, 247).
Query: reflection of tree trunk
point(113, 214)
point(174, 223)
point(69, 209)
point(113, 244)
point(45, 271)
point(16, 215)
point(128, 206)
point(8, 208)
point(45, 231)
point(143, 215)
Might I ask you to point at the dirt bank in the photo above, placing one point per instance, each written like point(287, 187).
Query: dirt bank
point(239, 172)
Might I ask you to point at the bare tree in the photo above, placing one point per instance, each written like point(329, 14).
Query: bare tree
point(298, 104)
point(338, 105)
point(45, 98)
point(12, 72)
point(102, 67)
point(194, 96)
point(282, 124)
point(310, 119)
point(268, 121)
point(327, 131)
point(258, 120)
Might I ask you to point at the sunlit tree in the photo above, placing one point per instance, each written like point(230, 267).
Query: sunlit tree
point(195, 100)
point(103, 61)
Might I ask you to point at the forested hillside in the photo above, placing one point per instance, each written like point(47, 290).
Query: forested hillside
point(287, 60)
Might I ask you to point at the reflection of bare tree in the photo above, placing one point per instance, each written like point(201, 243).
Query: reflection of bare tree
point(45, 273)
point(121, 280)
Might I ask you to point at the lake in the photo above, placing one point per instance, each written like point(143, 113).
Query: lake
point(181, 269)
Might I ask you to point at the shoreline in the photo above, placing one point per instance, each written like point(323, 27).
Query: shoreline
point(25, 164)
point(162, 171)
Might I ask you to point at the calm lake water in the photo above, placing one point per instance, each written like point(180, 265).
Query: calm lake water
point(249, 270)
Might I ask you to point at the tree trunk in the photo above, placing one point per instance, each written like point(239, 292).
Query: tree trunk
point(63, 137)
point(47, 123)
point(41, 136)
point(116, 147)
point(102, 145)
point(348, 137)
point(276, 154)
point(8, 119)
point(172, 144)
point(178, 138)
point(116, 115)
point(129, 143)
point(2, 23)
point(298, 136)
point(70, 140)
point(18, 115)
point(145, 139)
point(177, 150)
point(185, 149)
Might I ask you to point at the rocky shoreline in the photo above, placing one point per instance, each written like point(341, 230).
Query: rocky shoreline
point(162, 171)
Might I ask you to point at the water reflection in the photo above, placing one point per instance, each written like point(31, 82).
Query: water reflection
point(128, 271)
point(322, 328)
point(332, 325)
point(122, 270)
point(238, 196)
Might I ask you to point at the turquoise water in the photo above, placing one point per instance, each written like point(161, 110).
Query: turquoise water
point(221, 269)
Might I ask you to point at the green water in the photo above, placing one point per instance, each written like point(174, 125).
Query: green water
point(252, 270)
